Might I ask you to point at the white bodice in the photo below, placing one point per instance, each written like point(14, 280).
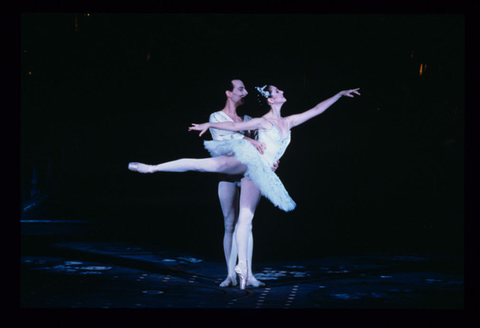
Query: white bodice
point(259, 167)
point(275, 144)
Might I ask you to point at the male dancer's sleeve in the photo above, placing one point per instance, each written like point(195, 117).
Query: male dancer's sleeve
point(218, 134)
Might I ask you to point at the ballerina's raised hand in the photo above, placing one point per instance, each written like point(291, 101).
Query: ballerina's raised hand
point(349, 93)
point(199, 127)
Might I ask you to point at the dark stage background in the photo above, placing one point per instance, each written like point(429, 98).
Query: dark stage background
point(381, 172)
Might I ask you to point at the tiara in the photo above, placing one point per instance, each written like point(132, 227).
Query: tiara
point(264, 93)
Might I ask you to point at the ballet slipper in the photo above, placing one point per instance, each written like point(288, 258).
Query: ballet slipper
point(252, 281)
point(230, 281)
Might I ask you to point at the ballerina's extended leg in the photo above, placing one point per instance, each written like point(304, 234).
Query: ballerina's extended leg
point(221, 164)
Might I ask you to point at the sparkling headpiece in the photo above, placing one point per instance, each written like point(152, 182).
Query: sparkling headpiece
point(264, 93)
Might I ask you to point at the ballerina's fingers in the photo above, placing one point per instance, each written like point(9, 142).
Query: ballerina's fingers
point(349, 92)
point(203, 131)
point(196, 127)
point(355, 91)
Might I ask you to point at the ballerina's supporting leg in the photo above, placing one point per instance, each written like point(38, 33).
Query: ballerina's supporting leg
point(221, 164)
point(249, 187)
point(229, 200)
point(249, 198)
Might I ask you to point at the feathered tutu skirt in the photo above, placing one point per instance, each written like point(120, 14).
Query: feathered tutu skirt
point(259, 171)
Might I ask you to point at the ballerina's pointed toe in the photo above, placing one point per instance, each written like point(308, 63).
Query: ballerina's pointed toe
point(133, 166)
point(141, 168)
point(243, 275)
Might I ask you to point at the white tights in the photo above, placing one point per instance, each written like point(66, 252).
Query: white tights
point(229, 196)
point(249, 198)
point(221, 164)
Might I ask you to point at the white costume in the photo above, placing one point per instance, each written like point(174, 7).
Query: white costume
point(259, 166)
point(218, 134)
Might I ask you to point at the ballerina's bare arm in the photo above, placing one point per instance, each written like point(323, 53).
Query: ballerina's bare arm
point(254, 124)
point(298, 119)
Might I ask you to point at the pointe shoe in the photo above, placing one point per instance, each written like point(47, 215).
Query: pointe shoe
point(243, 276)
point(141, 168)
point(133, 166)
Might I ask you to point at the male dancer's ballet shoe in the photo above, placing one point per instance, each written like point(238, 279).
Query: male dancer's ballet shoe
point(141, 168)
point(230, 281)
point(243, 274)
point(252, 281)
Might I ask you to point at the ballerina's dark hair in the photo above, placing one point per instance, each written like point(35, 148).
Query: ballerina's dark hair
point(263, 93)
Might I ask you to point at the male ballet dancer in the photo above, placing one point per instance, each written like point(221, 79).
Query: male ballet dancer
point(229, 185)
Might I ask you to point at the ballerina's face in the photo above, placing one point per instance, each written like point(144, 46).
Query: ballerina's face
point(239, 92)
point(277, 96)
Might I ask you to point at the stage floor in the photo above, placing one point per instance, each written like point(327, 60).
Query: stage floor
point(95, 274)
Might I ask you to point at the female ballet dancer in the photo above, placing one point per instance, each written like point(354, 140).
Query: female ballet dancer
point(241, 157)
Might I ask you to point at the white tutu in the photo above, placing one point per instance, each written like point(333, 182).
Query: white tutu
point(259, 169)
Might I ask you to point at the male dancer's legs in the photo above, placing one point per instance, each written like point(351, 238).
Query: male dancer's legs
point(229, 196)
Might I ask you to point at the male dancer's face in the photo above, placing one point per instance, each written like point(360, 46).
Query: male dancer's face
point(238, 93)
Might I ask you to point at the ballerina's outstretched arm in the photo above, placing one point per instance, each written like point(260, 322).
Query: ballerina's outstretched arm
point(254, 124)
point(297, 119)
